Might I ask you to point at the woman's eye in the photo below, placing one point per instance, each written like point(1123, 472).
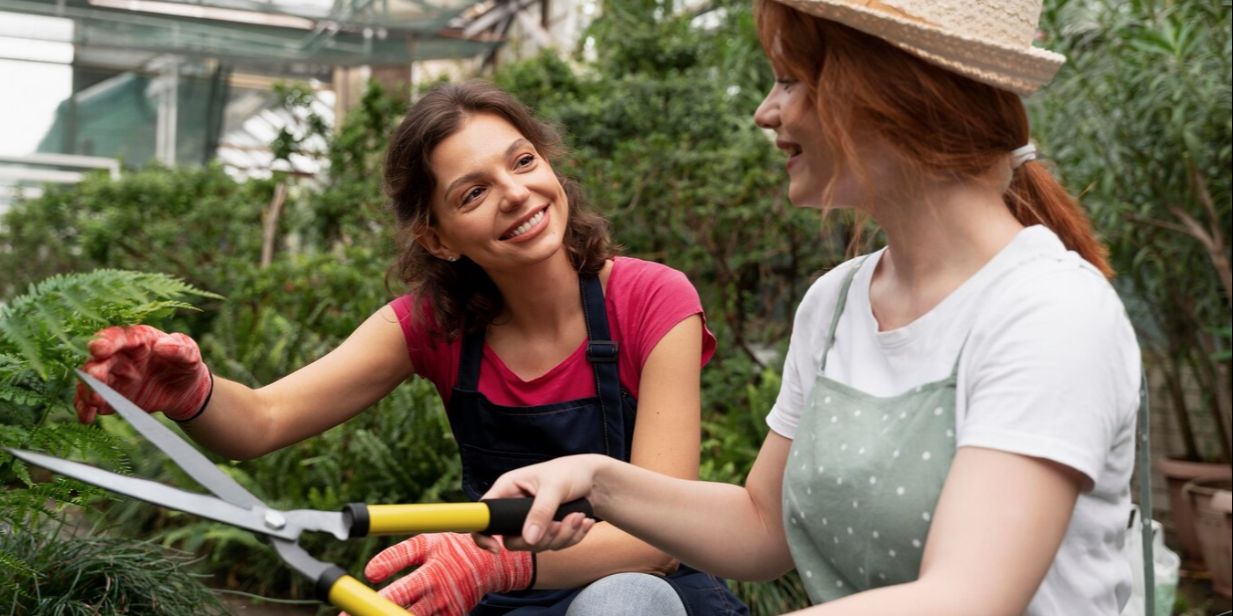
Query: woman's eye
point(524, 160)
point(472, 195)
point(785, 82)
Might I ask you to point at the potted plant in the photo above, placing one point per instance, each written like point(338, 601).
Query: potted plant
point(1212, 503)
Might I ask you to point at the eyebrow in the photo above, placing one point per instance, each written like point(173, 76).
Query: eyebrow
point(518, 143)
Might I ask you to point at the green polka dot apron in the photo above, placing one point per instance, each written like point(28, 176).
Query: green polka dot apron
point(863, 476)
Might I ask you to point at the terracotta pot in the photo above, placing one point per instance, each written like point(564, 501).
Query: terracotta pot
point(1212, 503)
point(1177, 473)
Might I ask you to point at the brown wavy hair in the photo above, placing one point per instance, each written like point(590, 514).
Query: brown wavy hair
point(943, 123)
point(463, 297)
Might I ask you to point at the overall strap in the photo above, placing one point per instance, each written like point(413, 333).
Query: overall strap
point(1143, 452)
point(602, 353)
point(469, 362)
point(839, 304)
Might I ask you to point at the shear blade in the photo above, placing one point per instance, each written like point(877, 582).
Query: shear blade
point(254, 519)
point(186, 456)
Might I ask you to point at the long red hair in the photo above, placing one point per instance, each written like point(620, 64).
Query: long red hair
point(943, 123)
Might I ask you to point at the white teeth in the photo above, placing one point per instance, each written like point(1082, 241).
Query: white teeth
point(526, 226)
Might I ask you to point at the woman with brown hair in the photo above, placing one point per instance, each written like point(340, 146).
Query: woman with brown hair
point(955, 429)
point(541, 341)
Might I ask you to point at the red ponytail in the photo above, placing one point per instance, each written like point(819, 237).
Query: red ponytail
point(1037, 198)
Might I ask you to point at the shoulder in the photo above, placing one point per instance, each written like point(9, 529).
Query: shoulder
point(632, 270)
point(1056, 287)
point(416, 316)
point(636, 278)
point(1056, 316)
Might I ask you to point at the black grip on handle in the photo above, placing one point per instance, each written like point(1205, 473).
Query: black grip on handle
point(356, 517)
point(507, 515)
point(324, 582)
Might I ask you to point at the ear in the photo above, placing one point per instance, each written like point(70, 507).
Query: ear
point(430, 240)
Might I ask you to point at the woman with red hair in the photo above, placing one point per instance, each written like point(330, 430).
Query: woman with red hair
point(955, 429)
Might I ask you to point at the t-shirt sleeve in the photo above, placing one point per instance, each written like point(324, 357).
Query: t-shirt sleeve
point(1054, 373)
point(657, 298)
point(431, 358)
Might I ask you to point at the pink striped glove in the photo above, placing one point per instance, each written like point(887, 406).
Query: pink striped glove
point(453, 574)
point(155, 370)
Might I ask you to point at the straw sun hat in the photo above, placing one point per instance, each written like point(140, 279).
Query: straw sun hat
point(987, 40)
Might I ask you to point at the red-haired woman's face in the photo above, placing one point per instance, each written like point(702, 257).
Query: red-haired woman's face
point(813, 156)
point(788, 111)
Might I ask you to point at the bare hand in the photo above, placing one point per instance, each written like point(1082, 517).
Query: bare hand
point(550, 483)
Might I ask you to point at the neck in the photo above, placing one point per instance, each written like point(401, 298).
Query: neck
point(542, 299)
point(944, 231)
point(937, 238)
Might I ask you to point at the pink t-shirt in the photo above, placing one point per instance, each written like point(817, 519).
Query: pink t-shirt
point(644, 301)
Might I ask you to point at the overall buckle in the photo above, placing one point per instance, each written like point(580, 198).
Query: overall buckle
point(602, 351)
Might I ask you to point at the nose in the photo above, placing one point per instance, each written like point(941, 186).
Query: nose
point(767, 114)
point(514, 195)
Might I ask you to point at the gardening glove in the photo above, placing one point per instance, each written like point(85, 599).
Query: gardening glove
point(453, 574)
point(155, 370)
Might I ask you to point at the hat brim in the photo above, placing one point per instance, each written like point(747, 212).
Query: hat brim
point(1021, 70)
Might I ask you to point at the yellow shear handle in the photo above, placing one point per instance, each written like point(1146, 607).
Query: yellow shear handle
point(427, 518)
point(497, 516)
point(353, 597)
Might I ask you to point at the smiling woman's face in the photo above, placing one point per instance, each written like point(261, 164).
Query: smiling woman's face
point(497, 201)
point(798, 132)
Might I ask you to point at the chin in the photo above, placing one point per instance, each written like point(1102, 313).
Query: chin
point(805, 200)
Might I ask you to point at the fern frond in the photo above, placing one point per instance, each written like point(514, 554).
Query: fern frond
point(47, 328)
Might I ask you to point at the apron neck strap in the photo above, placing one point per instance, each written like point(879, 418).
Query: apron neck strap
point(839, 305)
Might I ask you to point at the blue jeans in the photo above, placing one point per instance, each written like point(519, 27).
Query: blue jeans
point(628, 594)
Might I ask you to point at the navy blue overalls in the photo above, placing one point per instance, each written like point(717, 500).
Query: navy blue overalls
point(494, 439)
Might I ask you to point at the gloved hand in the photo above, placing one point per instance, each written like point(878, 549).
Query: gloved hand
point(156, 370)
point(453, 574)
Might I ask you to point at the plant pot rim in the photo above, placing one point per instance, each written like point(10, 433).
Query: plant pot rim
point(1209, 486)
point(1180, 467)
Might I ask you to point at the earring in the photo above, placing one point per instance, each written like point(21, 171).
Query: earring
point(452, 258)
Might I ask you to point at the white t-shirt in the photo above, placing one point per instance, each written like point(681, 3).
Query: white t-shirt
point(1050, 369)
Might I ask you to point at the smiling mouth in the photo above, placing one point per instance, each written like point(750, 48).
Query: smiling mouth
point(791, 149)
point(525, 226)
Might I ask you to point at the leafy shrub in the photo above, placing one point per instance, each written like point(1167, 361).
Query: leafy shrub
point(43, 571)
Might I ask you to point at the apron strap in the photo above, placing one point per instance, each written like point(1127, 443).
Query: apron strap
point(1143, 452)
point(839, 304)
point(469, 362)
point(602, 352)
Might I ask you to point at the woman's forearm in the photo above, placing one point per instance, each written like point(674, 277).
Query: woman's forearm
point(241, 422)
point(237, 423)
point(719, 528)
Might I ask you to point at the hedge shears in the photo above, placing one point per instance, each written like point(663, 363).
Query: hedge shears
point(233, 504)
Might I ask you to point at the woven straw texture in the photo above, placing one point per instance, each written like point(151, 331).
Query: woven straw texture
point(986, 40)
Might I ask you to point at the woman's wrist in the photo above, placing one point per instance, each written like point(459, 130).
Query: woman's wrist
point(205, 401)
point(604, 475)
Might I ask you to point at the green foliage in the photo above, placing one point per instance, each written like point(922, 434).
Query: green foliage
point(192, 224)
point(46, 571)
point(43, 336)
point(1141, 120)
